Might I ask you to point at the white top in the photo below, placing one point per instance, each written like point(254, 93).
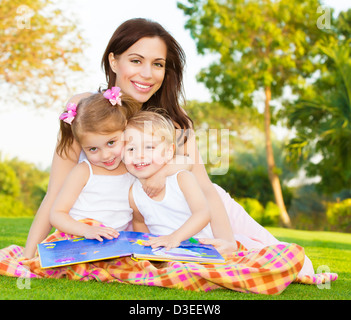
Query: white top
point(165, 216)
point(82, 156)
point(105, 199)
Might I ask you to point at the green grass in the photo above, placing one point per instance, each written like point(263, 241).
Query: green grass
point(329, 249)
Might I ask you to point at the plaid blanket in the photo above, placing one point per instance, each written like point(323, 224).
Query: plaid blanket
point(266, 271)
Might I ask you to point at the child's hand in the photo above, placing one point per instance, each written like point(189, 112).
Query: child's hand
point(222, 246)
point(154, 185)
point(94, 232)
point(168, 242)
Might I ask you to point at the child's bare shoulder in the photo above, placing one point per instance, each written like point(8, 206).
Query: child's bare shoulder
point(185, 176)
point(81, 170)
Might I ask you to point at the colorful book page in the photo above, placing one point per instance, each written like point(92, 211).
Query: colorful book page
point(129, 243)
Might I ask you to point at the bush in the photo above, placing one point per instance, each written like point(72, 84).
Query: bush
point(271, 216)
point(253, 207)
point(11, 207)
point(9, 183)
point(250, 183)
point(339, 215)
point(22, 187)
point(268, 216)
point(308, 209)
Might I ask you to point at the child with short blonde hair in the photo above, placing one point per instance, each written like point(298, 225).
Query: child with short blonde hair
point(181, 210)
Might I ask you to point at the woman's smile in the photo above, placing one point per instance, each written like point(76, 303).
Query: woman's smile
point(144, 87)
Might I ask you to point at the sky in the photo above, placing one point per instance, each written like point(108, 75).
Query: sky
point(30, 133)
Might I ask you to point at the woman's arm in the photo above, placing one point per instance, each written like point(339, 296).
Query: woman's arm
point(153, 185)
point(220, 223)
point(41, 225)
point(60, 168)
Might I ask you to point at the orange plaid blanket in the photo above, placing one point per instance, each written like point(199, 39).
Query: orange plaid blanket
point(266, 271)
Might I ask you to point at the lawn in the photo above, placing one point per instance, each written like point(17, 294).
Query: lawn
point(329, 251)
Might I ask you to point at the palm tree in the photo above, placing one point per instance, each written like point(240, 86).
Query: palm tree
point(323, 119)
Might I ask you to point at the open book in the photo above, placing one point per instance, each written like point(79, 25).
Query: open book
point(129, 243)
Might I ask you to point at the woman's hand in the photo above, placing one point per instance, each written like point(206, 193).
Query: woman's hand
point(155, 184)
point(222, 246)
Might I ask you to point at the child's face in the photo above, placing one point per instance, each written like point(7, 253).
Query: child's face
point(103, 150)
point(145, 154)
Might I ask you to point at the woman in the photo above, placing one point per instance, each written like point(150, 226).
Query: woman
point(147, 63)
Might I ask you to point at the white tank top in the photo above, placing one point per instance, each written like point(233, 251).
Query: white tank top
point(165, 216)
point(105, 199)
point(82, 156)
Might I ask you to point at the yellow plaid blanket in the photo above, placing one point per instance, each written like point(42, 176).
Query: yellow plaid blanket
point(266, 271)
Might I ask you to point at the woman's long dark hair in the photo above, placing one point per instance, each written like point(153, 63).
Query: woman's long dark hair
point(171, 91)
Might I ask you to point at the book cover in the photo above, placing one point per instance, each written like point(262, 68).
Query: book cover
point(129, 243)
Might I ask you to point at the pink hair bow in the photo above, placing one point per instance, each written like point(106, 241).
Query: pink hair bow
point(114, 95)
point(70, 114)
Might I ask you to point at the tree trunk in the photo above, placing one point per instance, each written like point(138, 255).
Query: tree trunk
point(273, 177)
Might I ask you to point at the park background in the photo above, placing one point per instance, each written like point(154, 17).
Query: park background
point(310, 135)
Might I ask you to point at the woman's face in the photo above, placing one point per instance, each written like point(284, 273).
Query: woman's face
point(140, 70)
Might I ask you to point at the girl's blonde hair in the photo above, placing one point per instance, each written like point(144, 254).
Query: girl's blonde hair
point(96, 114)
point(154, 123)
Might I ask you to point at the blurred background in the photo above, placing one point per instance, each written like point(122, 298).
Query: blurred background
point(272, 72)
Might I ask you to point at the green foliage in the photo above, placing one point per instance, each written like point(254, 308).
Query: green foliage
point(9, 183)
point(253, 207)
point(271, 215)
point(244, 125)
point(339, 215)
point(265, 216)
point(258, 44)
point(11, 207)
point(245, 182)
point(308, 209)
point(343, 25)
point(34, 182)
point(242, 183)
point(22, 188)
point(10, 191)
point(216, 115)
point(322, 118)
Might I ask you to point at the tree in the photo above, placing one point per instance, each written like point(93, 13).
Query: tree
point(261, 46)
point(40, 49)
point(322, 119)
point(209, 119)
